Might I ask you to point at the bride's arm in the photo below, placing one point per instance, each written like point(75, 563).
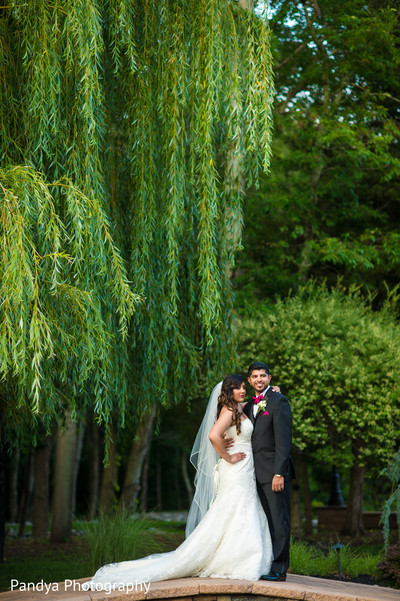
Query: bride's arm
point(216, 437)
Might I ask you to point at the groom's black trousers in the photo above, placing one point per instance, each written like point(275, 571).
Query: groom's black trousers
point(277, 508)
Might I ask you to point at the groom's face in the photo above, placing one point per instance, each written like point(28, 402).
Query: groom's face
point(259, 380)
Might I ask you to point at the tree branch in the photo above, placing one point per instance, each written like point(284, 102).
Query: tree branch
point(383, 94)
point(298, 49)
point(339, 94)
point(316, 8)
point(246, 4)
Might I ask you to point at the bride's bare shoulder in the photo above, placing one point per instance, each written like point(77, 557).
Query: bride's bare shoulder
point(226, 416)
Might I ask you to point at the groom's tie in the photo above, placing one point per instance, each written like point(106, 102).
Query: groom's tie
point(257, 399)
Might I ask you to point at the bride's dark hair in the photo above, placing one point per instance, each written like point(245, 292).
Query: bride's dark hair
point(225, 398)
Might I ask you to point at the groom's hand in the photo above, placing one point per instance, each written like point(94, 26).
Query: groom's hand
point(228, 442)
point(278, 483)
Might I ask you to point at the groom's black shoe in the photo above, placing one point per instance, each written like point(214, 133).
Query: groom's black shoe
point(273, 576)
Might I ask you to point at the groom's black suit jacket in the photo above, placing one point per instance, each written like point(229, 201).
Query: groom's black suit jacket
point(272, 437)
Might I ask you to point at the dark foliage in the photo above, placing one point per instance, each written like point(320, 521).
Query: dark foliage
point(389, 567)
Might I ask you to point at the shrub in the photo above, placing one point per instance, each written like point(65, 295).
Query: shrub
point(389, 567)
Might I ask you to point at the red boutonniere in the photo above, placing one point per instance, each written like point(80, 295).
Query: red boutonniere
point(261, 406)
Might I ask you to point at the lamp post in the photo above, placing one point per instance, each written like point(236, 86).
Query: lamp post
point(336, 498)
point(338, 546)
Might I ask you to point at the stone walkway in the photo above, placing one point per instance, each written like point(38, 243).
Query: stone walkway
point(304, 588)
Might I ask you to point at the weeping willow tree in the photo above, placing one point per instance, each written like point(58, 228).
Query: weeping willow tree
point(134, 126)
point(154, 109)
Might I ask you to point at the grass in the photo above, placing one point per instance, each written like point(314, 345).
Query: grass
point(312, 561)
point(45, 568)
point(27, 561)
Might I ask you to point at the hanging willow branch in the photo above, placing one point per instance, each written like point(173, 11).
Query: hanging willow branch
point(51, 309)
point(149, 113)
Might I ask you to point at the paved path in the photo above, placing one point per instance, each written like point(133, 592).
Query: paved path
point(304, 588)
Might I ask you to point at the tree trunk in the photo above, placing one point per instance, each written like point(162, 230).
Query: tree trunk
point(145, 483)
point(13, 483)
point(63, 485)
point(41, 469)
point(81, 427)
point(177, 487)
point(26, 495)
point(140, 446)
point(109, 476)
point(94, 465)
point(307, 496)
point(3, 497)
point(353, 524)
point(235, 180)
point(295, 498)
point(186, 479)
point(158, 480)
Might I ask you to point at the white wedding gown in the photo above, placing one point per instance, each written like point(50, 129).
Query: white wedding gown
point(231, 541)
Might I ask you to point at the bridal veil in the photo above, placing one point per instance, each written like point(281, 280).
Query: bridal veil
point(204, 458)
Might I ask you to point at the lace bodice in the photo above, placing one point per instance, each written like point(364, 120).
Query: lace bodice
point(246, 430)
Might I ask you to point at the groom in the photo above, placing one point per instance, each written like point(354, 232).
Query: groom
point(271, 441)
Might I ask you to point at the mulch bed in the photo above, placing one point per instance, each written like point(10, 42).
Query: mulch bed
point(19, 549)
point(360, 579)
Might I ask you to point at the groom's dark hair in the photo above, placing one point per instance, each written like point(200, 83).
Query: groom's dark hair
point(257, 365)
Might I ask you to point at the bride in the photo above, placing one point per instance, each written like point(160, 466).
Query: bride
point(227, 529)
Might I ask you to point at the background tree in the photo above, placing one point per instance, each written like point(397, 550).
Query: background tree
point(330, 205)
point(340, 361)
